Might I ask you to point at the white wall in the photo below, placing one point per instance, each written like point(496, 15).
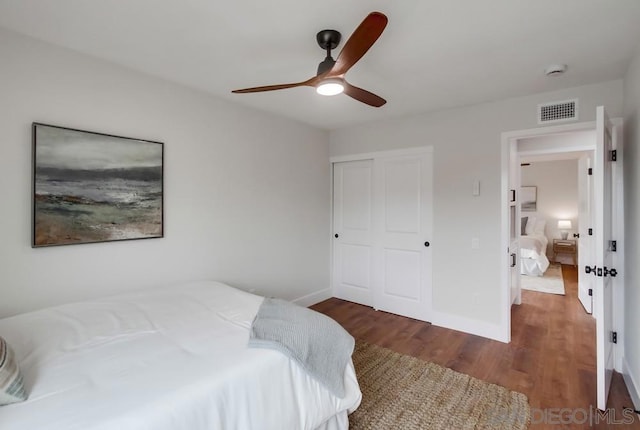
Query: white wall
point(557, 197)
point(467, 288)
point(246, 193)
point(631, 156)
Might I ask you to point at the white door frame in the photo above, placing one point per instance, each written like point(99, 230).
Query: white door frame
point(506, 139)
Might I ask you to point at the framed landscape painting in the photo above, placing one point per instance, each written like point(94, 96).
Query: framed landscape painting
point(93, 187)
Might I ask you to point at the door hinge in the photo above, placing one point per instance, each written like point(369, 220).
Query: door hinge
point(590, 232)
point(591, 292)
point(613, 155)
point(613, 246)
point(590, 171)
point(614, 336)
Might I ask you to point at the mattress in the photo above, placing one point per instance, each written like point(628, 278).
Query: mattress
point(171, 358)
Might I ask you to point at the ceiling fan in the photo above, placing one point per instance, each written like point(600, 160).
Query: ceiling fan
point(329, 79)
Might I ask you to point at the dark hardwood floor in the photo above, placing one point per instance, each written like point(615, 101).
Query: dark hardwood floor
point(551, 357)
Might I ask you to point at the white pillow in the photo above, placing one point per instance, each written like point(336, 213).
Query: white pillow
point(531, 223)
point(539, 227)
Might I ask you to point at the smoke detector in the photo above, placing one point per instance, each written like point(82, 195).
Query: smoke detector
point(555, 69)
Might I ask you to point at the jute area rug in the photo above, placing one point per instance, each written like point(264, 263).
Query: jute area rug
point(550, 282)
point(406, 393)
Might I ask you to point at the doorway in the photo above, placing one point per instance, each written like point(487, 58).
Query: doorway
point(606, 228)
point(557, 218)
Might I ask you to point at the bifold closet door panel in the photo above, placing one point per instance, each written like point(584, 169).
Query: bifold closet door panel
point(353, 231)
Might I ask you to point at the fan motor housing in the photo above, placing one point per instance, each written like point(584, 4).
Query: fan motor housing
point(326, 65)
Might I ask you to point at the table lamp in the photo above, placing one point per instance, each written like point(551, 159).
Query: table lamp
point(564, 225)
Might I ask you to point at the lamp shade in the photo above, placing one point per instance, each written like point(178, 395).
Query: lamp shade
point(564, 224)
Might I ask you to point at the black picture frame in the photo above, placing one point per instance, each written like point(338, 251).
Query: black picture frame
point(91, 187)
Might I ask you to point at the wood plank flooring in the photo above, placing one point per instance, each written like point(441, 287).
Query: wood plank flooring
point(551, 357)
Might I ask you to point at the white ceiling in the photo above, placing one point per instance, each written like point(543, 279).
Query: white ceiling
point(433, 55)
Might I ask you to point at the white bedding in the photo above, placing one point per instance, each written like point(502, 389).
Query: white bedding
point(533, 257)
point(164, 359)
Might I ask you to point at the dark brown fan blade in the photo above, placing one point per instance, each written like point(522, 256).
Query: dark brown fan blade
point(359, 43)
point(309, 83)
point(363, 96)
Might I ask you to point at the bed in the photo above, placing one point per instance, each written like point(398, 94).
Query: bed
point(533, 247)
point(173, 358)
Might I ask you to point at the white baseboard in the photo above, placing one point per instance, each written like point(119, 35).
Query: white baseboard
point(632, 384)
point(471, 326)
point(313, 298)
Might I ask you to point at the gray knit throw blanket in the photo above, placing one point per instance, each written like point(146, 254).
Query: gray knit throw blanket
point(316, 342)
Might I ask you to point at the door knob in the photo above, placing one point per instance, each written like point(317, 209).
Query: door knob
point(336, 235)
point(427, 244)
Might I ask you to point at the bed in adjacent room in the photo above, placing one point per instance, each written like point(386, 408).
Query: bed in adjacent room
point(533, 247)
point(173, 358)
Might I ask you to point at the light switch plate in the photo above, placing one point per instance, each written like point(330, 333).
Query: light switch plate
point(476, 188)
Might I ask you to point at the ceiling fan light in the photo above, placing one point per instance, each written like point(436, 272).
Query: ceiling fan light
point(330, 87)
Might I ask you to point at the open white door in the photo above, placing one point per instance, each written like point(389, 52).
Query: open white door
point(585, 223)
point(514, 223)
point(603, 285)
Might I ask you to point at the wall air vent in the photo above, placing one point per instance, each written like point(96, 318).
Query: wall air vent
point(558, 111)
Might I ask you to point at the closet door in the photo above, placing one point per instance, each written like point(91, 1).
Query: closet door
point(403, 219)
point(352, 228)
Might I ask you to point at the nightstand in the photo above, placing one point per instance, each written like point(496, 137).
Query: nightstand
point(565, 246)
